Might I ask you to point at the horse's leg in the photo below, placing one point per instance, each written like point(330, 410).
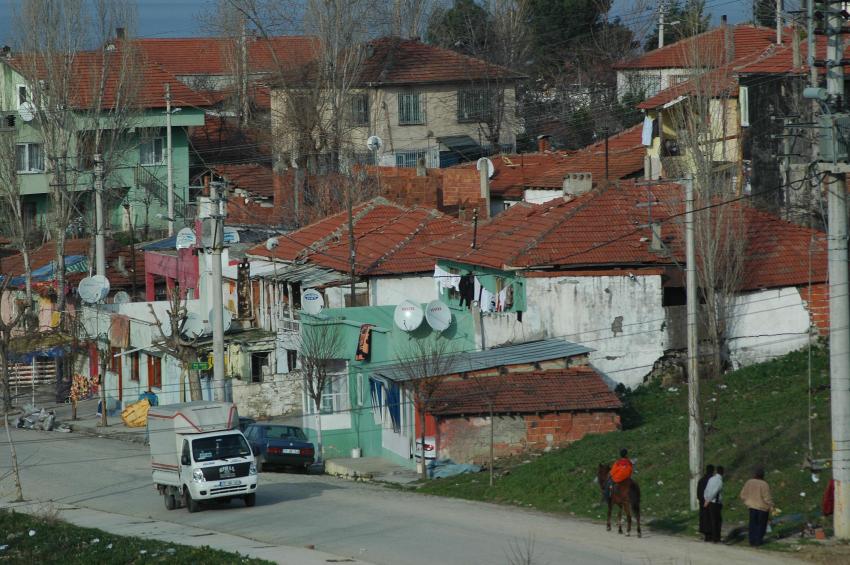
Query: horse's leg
point(628, 519)
point(620, 518)
point(637, 518)
point(610, 505)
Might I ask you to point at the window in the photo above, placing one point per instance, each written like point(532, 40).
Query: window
point(360, 109)
point(29, 157)
point(150, 151)
point(115, 360)
point(335, 395)
point(291, 359)
point(473, 105)
point(23, 94)
point(259, 365)
point(154, 372)
point(134, 366)
point(410, 110)
point(409, 158)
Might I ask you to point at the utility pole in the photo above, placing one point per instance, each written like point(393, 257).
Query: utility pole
point(99, 237)
point(695, 440)
point(779, 22)
point(168, 160)
point(661, 9)
point(606, 153)
point(243, 82)
point(217, 203)
point(352, 242)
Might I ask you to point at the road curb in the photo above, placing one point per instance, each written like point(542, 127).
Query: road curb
point(130, 437)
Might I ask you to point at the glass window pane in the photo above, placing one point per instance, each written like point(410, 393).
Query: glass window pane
point(36, 158)
point(21, 157)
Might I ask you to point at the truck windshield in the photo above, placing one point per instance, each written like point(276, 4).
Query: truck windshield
point(220, 447)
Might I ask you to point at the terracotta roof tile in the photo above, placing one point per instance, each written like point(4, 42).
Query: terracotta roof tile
point(563, 390)
point(222, 140)
point(252, 177)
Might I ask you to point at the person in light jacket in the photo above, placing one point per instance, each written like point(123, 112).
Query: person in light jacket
point(714, 502)
point(756, 496)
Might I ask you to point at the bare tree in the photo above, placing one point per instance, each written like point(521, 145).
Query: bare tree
point(425, 363)
point(320, 351)
point(173, 341)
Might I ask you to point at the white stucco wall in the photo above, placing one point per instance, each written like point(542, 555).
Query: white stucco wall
point(620, 317)
point(767, 324)
point(539, 196)
point(630, 79)
point(389, 291)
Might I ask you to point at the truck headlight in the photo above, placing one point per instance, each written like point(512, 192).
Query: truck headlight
point(252, 470)
point(198, 476)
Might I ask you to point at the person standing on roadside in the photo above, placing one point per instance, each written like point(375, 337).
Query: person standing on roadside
point(703, 511)
point(714, 504)
point(756, 496)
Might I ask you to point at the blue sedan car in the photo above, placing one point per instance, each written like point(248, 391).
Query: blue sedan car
point(279, 445)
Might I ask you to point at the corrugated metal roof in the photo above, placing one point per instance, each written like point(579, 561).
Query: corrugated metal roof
point(520, 353)
point(307, 274)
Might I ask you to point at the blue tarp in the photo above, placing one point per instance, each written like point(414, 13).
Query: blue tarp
point(167, 243)
point(394, 406)
point(73, 263)
point(53, 352)
point(447, 468)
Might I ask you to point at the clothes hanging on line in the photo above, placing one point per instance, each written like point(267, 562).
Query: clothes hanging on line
point(488, 301)
point(466, 287)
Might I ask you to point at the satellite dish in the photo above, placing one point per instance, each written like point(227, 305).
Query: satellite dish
point(408, 315)
point(186, 239)
point(374, 143)
point(312, 301)
point(194, 326)
point(438, 316)
point(226, 320)
point(26, 111)
point(93, 289)
point(230, 236)
point(485, 162)
point(121, 297)
point(271, 243)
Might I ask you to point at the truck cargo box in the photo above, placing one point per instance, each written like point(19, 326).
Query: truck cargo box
point(167, 424)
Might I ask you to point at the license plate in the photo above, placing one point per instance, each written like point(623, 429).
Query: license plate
point(292, 451)
point(229, 483)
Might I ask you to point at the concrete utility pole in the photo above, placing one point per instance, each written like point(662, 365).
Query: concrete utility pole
point(778, 22)
point(661, 8)
point(168, 159)
point(695, 443)
point(839, 304)
point(99, 236)
point(217, 203)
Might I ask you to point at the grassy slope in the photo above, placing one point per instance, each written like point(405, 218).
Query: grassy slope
point(55, 541)
point(756, 416)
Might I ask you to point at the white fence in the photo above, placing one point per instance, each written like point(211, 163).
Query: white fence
point(30, 374)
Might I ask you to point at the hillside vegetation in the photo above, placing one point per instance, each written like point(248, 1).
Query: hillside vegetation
point(756, 415)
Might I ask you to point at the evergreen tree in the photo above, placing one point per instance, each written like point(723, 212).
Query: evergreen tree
point(680, 21)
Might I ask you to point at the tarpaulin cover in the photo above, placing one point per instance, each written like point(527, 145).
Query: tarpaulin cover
point(73, 264)
point(52, 352)
point(447, 468)
point(394, 406)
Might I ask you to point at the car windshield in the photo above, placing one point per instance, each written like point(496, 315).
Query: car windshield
point(220, 447)
point(284, 432)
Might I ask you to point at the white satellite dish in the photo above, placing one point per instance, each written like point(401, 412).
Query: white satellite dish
point(26, 111)
point(194, 326)
point(186, 239)
point(226, 320)
point(408, 315)
point(271, 243)
point(374, 143)
point(438, 316)
point(485, 162)
point(230, 236)
point(93, 289)
point(121, 297)
point(312, 301)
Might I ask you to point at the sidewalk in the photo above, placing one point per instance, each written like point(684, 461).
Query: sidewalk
point(370, 469)
point(121, 525)
point(88, 423)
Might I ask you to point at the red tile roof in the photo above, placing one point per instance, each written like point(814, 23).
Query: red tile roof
point(212, 55)
point(253, 178)
point(389, 239)
point(705, 49)
point(562, 390)
point(608, 227)
point(222, 140)
point(407, 61)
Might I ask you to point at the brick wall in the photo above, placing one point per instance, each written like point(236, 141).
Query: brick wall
point(817, 303)
point(467, 440)
point(447, 190)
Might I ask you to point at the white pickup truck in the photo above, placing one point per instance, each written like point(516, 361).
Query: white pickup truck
point(198, 453)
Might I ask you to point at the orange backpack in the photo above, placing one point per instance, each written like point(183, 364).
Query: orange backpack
point(621, 470)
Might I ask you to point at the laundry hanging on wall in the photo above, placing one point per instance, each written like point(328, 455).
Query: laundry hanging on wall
point(364, 343)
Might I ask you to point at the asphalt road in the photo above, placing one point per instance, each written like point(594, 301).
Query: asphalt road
point(368, 522)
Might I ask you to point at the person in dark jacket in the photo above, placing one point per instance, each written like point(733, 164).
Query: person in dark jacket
point(703, 511)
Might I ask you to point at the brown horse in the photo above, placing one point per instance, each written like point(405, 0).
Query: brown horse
point(626, 495)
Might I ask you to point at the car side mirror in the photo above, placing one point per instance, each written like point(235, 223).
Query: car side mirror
point(184, 459)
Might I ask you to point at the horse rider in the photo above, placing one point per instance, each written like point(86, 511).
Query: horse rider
point(621, 470)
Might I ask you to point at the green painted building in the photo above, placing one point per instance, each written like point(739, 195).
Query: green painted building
point(135, 184)
point(362, 410)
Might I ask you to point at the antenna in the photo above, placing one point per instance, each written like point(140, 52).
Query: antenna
point(93, 289)
point(374, 143)
point(486, 162)
point(408, 315)
point(438, 316)
point(312, 301)
point(121, 297)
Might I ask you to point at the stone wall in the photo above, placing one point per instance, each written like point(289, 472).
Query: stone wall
point(277, 395)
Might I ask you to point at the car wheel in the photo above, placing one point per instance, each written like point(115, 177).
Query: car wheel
point(250, 500)
point(170, 501)
point(191, 504)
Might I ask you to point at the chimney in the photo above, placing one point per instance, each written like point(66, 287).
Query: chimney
point(6, 52)
point(119, 33)
point(420, 167)
point(728, 39)
point(577, 183)
point(543, 143)
point(484, 177)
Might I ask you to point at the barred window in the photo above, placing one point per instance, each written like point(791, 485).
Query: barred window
point(360, 109)
point(410, 110)
point(473, 105)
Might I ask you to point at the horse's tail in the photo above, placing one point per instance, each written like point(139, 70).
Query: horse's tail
point(634, 495)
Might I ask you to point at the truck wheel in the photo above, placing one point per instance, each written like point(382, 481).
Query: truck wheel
point(250, 500)
point(191, 505)
point(170, 501)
